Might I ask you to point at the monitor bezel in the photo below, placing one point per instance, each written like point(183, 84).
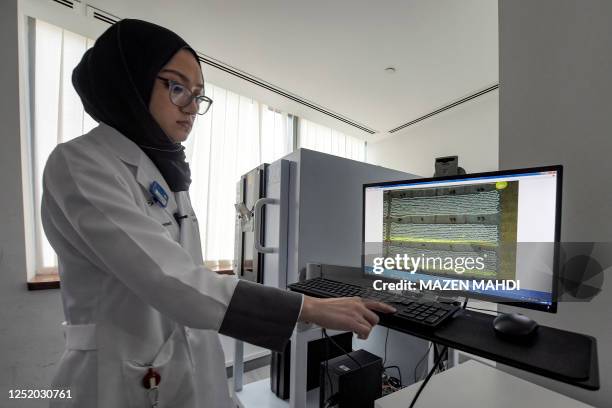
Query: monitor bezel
point(550, 308)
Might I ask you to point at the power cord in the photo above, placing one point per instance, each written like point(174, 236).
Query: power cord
point(399, 371)
point(441, 366)
point(332, 400)
point(332, 396)
point(386, 339)
point(433, 369)
point(346, 353)
point(421, 361)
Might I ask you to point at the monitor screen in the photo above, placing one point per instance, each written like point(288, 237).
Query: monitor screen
point(488, 235)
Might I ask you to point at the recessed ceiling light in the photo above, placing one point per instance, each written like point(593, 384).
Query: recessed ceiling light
point(390, 70)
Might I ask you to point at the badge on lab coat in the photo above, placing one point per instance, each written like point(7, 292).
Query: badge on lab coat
point(159, 194)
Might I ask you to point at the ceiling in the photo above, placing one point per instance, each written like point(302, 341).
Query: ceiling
point(333, 53)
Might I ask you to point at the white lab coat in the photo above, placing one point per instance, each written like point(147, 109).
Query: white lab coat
point(134, 290)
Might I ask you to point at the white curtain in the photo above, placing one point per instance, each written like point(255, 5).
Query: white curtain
point(327, 140)
point(57, 113)
point(235, 136)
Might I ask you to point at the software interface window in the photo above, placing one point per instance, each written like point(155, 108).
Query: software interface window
point(499, 227)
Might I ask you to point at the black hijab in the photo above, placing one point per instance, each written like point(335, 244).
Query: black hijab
point(115, 79)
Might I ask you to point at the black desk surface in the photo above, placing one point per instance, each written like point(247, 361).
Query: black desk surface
point(553, 353)
point(558, 354)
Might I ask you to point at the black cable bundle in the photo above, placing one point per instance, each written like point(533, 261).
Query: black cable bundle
point(433, 369)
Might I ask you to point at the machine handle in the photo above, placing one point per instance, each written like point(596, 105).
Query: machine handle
point(257, 224)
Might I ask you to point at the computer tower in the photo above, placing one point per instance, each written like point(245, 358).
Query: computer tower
point(351, 381)
point(312, 213)
point(318, 350)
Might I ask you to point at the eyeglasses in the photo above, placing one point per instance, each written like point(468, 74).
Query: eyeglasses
point(181, 96)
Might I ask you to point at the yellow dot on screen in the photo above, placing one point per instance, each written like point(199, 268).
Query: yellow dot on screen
point(500, 185)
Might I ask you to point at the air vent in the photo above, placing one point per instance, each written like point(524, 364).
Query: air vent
point(67, 3)
point(101, 15)
point(447, 107)
point(261, 83)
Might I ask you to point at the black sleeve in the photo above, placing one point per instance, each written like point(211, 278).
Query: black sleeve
point(261, 315)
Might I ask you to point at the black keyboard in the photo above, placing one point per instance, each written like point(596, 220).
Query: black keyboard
point(411, 309)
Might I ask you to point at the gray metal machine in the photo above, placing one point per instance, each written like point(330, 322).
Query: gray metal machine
point(248, 259)
point(307, 208)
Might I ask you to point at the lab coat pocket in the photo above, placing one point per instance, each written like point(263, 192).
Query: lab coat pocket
point(163, 217)
point(176, 387)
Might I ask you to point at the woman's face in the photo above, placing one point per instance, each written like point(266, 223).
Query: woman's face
point(176, 122)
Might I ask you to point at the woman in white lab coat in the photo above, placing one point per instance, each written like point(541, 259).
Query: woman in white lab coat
point(142, 312)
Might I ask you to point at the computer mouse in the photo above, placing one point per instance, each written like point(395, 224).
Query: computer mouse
point(514, 326)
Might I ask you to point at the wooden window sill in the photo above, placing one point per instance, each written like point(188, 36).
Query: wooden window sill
point(223, 270)
point(52, 281)
point(44, 281)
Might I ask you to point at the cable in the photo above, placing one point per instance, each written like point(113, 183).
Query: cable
point(341, 349)
point(385, 359)
point(441, 354)
point(398, 371)
point(331, 384)
point(421, 361)
point(354, 360)
point(330, 402)
point(416, 396)
point(435, 352)
point(386, 338)
point(384, 368)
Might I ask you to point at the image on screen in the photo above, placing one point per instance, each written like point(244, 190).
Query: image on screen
point(507, 221)
point(459, 222)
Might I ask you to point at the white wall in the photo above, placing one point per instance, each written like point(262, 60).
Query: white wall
point(469, 130)
point(556, 107)
point(30, 336)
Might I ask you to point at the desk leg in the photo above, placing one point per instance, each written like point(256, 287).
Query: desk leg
point(302, 335)
point(297, 381)
point(453, 358)
point(238, 364)
point(430, 360)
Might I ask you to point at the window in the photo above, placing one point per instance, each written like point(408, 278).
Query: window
point(235, 136)
point(57, 114)
point(323, 139)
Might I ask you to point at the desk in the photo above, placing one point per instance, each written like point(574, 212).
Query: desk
point(553, 353)
point(557, 354)
point(259, 394)
point(473, 384)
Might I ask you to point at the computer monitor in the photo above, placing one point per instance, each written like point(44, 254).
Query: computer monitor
point(489, 236)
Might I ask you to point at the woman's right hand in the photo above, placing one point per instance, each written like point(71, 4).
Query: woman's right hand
point(347, 314)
